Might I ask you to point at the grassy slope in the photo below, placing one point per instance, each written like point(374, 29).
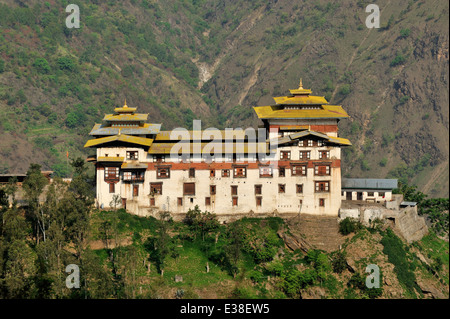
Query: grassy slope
point(252, 280)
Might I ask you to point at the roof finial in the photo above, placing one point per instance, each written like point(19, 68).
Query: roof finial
point(125, 105)
point(301, 84)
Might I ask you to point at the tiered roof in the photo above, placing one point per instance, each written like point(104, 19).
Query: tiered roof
point(300, 105)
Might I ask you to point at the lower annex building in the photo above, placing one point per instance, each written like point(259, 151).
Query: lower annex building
point(293, 166)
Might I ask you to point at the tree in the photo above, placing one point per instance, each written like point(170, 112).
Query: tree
point(234, 246)
point(34, 186)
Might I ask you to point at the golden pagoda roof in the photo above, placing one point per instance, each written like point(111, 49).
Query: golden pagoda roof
point(125, 108)
point(275, 111)
point(129, 117)
point(121, 138)
point(300, 105)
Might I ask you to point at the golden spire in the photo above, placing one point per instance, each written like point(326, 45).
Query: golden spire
point(300, 87)
point(125, 105)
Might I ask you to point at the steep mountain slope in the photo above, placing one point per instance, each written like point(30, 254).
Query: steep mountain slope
point(213, 60)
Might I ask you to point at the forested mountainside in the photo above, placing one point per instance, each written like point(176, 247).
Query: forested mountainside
point(180, 60)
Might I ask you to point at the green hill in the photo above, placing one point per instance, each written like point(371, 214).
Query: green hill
point(180, 60)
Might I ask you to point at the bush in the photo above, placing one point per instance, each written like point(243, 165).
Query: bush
point(349, 225)
point(399, 59)
point(41, 65)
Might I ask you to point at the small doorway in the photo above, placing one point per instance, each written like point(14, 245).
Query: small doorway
point(359, 196)
point(135, 190)
point(124, 203)
point(348, 195)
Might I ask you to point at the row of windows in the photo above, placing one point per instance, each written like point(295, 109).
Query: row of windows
point(189, 188)
point(264, 171)
point(303, 155)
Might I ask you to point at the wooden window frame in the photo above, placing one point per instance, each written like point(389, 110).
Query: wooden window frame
point(192, 173)
point(321, 202)
point(234, 190)
point(158, 172)
point(281, 188)
point(258, 201)
point(322, 186)
point(212, 173)
point(258, 189)
point(262, 171)
point(158, 188)
point(321, 154)
point(185, 192)
point(299, 170)
point(299, 188)
point(239, 175)
point(179, 201)
point(285, 155)
point(108, 173)
point(212, 189)
point(135, 190)
point(234, 201)
point(112, 188)
point(322, 170)
point(132, 155)
point(225, 173)
point(281, 171)
point(303, 155)
point(207, 201)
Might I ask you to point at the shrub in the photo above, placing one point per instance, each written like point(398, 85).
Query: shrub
point(349, 225)
point(41, 65)
point(399, 59)
point(2, 66)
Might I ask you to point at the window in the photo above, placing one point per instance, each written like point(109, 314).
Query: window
point(310, 142)
point(225, 173)
point(371, 194)
point(281, 171)
point(324, 154)
point(381, 194)
point(152, 201)
point(285, 155)
point(235, 201)
point(111, 173)
point(189, 189)
point(305, 155)
point(192, 172)
point(208, 201)
point(299, 170)
point(212, 173)
point(322, 202)
point(240, 172)
point(132, 155)
point(265, 171)
point(301, 143)
point(258, 189)
point(156, 188)
point(163, 172)
point(281, 188)
point(180, 201)
point(129, 176)
point(258, 201)
point(299, 188)
point(321, 170)
point(319, 143)
point(159, 158)
point(234, 190)
point(135, 190)
point(112, 188)
point(212, 189)
point(322, 187)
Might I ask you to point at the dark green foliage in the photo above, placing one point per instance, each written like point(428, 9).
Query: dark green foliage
point(2, 65)
point(399, 256)
point(349, 225)
point(339, 261)
point(436, 210)
point(399, 59)
point(41, 65)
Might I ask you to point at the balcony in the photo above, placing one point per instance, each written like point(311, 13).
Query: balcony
point(133, 179)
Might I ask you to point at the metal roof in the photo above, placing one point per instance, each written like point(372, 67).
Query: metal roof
point(294, 136)
point(122, 138)
point(369, 183)
point(408, 204)
point(279, 112)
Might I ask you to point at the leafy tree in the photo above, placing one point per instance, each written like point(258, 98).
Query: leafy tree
point(41, 65)
point(34, 186)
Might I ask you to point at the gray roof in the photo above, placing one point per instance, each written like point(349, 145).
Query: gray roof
point(369, 183)
point(408, 204)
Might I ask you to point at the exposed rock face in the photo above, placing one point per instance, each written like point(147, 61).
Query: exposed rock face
point(411, 225)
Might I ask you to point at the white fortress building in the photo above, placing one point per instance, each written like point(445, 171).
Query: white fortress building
point(291, 164)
